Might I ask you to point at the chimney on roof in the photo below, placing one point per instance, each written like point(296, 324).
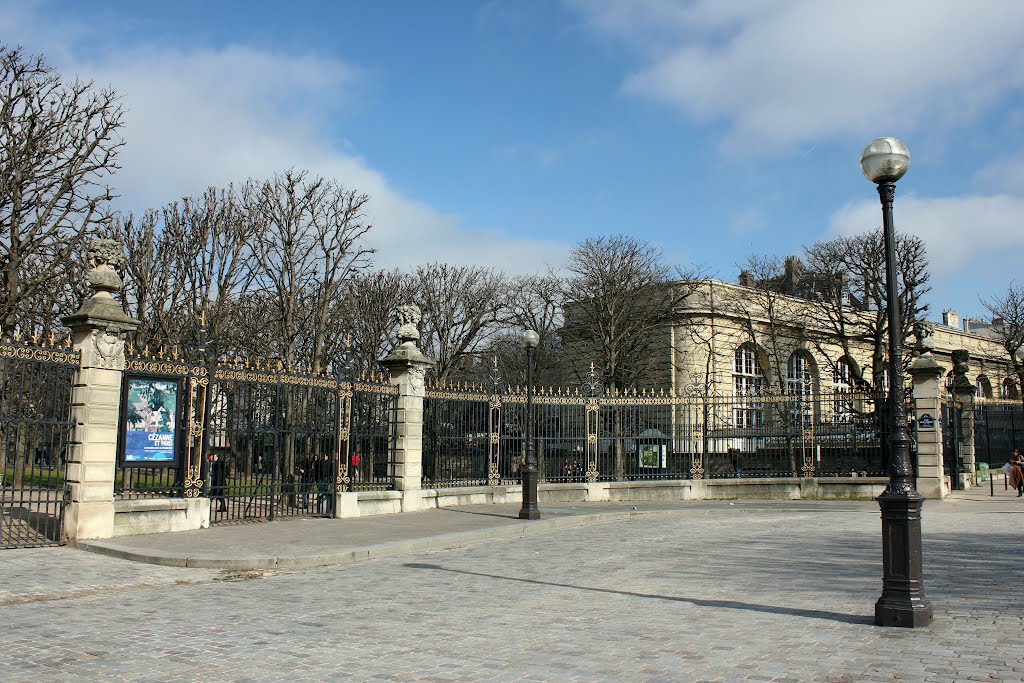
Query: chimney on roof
point(746, 278)
point(950, 318)
point(794, 270)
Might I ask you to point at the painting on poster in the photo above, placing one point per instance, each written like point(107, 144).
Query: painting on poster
point(151, 409)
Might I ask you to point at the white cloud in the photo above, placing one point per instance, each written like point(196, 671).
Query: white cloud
point(202, 116)
point(1005, 175)
point(789, 73)
point(964, 235)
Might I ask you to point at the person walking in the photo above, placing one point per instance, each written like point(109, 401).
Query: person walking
point(1017, 471)
point(218, 481)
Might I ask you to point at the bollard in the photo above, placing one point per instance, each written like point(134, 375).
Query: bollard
point(991, 486)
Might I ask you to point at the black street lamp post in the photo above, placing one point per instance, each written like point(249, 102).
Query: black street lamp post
point(530, 509)
point(903, 602)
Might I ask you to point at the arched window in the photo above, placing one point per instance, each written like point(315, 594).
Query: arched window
point(984, 387)
point(800, 385)
point(1008, 389)
point(747, 382)
point(747, 376)
point(800, 375)
point(842, 390)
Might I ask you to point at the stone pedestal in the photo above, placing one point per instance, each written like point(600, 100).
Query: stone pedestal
point(927, 381)
point(408, 367)
point(98, 329)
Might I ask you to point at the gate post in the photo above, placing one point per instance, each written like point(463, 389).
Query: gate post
point(99, 328)
point(927, 387)
point(408, 368)
point(965, 390)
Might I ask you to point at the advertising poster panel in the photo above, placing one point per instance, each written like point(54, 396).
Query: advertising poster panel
point(151, 410)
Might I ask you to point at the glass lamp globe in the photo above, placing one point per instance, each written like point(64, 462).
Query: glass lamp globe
point(885, 160)
point(530, 339)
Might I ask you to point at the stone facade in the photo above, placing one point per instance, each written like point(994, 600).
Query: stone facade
point(720, 318)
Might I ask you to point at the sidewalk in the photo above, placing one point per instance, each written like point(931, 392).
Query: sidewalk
point(299, 543)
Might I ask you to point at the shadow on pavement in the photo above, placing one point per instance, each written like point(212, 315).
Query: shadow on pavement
point(481, 513)
point(728, 604)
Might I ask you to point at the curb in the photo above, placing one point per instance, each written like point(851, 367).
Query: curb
point(448, 541)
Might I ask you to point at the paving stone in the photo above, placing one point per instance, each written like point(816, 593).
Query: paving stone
point(783, 594)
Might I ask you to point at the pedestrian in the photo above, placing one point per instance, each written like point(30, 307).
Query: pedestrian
point(218, 481)
point(1017, 471)
point(307, 480)
point(356, 475)
point(520, 467)
point(325, 484)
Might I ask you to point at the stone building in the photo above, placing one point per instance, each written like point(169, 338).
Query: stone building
point(785, 337)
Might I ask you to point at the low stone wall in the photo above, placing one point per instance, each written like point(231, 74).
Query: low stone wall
point(159, 515)
point(832, 488)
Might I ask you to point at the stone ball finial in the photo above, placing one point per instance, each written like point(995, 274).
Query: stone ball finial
point(408, 320)
point(106, 257)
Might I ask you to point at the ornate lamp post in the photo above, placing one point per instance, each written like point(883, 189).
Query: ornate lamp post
point(530, 510)
point(903, 602)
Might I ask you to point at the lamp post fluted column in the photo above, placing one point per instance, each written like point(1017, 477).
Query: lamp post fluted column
point(529, 509)
point(902, 602)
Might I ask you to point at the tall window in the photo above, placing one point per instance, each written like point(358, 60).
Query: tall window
point(983, 386)
point(747, 382)
point(800, 375)
point(800, 384)
point(1008, 389)
point(842, 391)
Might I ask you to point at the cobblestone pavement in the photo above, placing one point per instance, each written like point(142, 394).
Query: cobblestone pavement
point(716, 595)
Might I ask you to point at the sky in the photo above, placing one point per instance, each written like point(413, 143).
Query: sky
point(502, 132)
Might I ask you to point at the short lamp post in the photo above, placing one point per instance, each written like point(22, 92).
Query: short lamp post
point(903, 602)
point(530, 509)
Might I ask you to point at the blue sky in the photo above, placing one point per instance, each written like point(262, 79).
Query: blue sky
point(502, 132)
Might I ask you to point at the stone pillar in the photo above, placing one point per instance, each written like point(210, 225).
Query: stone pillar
point(408, 368)
point(964, 390)
point(927, 376)
point(98, 329)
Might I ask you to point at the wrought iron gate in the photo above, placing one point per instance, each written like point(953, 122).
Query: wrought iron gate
point(951, 442)
point(288, 441)
point(36, 379)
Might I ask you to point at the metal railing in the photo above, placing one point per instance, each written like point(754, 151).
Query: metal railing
point(36, 379)
point(476, 437)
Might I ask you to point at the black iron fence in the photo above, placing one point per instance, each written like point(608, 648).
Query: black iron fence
point(475, 437)
point(998, 429)
point(285, 442)
point(162, 394)
point(36, 379)
point(262, 440)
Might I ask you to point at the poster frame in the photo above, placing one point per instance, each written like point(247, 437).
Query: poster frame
point(122, 437)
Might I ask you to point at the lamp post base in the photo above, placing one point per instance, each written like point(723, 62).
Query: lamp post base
point(529, 509)
point(903, 602)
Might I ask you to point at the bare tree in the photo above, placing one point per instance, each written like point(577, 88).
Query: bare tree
point(620, 299)
point(535, 303)
point(186, 264)
point(152, 284)
point(462, 308)
point(310, 244)
point(367, 312)
point(1008, 323)
point(773, 319)
point(852, 301)
point(59, 143)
